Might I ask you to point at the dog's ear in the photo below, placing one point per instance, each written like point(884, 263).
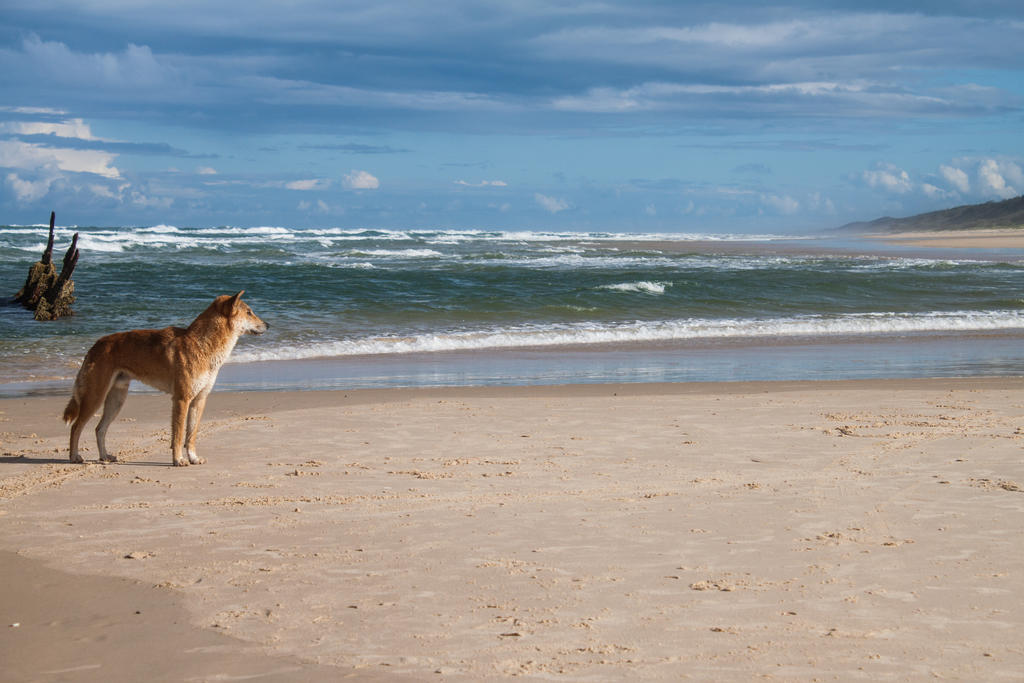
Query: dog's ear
point(230, 304)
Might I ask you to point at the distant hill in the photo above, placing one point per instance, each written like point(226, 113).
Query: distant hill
point(1005, 214)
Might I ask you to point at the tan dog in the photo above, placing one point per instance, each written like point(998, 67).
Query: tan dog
point(183, 362)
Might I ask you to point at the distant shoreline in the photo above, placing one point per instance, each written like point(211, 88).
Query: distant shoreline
point(984, 238)
point(952, 243)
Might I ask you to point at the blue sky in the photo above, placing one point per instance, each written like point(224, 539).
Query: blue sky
point(649, 116)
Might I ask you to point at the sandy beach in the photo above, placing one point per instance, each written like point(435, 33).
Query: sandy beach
point(792, 531)
point(1003, 244)
point(1002, 238)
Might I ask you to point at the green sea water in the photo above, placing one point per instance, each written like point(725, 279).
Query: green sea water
point(450, 307)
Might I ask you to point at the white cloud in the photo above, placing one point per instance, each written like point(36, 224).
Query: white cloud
point(360, 180)
point(28, 156)
point(670, 96)
point(134, 67)
point(663, 43)
point(27, 191)
point(856, 97)
point(838, 42)
point(103, 191)
point(1013, 174)
point(734, 36)
point(956, 177)
point(206, 170)
point(785, 204)
point(72, 128)
point(483, 183)
point(148, 202)
point(50, 160)
point(934, 192)
point(992, 178)
point(320, 206)
point(965, 178)
point(551, 204)
point(297, 92)
point(889, 178)
point(819, 202)
point(34, 111)
point(311, 184)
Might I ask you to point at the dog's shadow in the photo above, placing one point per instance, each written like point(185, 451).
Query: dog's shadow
point(29, 460)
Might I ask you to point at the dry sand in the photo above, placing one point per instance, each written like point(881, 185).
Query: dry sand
point(1005, 238)
point(795, 531)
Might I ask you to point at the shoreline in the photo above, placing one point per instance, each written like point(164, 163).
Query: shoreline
point(909, 355)
point(797, 529)
point(995, 244)
point(988, 238)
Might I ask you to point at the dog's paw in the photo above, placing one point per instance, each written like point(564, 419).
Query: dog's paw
point(77, 459)
point(181, 463)
point(196, 460)
point(108, 458)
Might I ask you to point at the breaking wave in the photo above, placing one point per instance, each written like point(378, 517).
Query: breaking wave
point(639, 332)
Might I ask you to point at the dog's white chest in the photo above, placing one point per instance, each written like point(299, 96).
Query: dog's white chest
point(204, 382)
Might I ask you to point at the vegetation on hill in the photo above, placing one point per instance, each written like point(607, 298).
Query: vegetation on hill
point(1008, 213)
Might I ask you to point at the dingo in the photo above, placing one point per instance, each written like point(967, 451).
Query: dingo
point(180, 361)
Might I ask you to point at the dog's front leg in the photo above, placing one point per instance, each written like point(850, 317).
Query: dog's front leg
point(195, 414)
point(179, 413)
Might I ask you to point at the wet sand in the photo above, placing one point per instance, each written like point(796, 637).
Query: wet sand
point(1001, 243)
point(84, 627)
point(829, 530)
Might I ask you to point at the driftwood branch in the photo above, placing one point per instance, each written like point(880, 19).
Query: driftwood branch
point(48, 254)
point(46, 292)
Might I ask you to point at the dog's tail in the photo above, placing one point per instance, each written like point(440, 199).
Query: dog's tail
point(74, 406)
point(71, 411)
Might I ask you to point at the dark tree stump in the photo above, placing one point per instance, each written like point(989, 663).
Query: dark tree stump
point(47, 293)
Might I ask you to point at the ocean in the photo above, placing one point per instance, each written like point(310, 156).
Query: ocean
point(352, 308)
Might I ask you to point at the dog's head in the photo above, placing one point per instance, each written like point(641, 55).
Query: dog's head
point(240, 315)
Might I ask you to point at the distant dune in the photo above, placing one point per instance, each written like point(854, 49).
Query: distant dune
point(1005, 214)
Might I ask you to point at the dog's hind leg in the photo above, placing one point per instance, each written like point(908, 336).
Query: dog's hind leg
point(88, 404)
point(111, 407)
point(76, 431)
point(195, 414)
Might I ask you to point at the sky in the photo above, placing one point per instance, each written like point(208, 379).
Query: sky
point(604, 115)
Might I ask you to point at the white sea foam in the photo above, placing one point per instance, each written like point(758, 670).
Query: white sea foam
point(115, 242)
point(644, 286)
point(160, 228)
point(908, 264)
point(540, 259)
point(657, 331)
point(396, 253)
point(440, 236)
